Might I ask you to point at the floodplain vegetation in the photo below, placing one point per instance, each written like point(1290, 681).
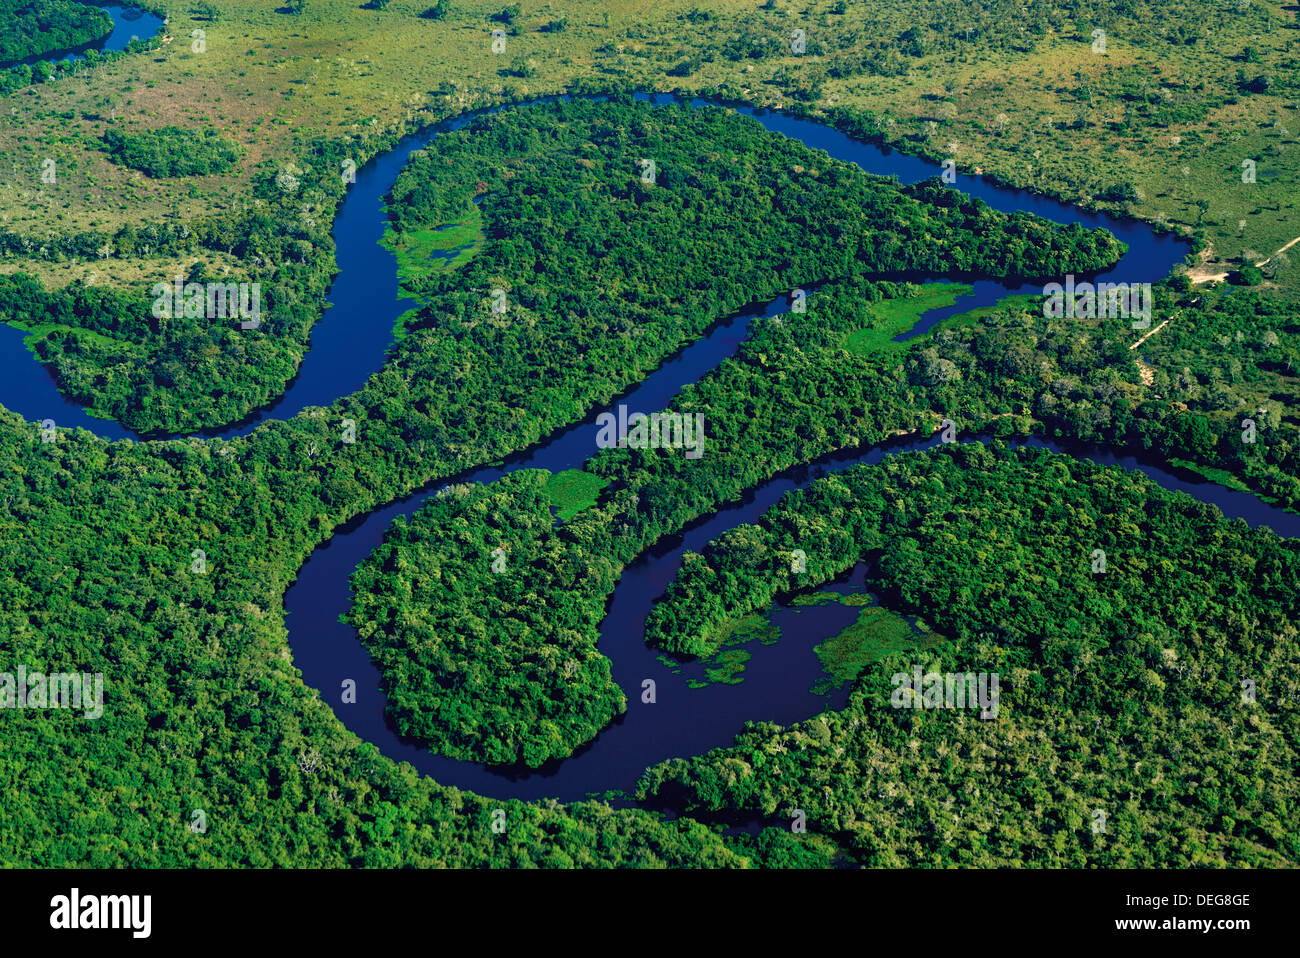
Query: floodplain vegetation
point(1123, 691)
point(571, 229)
point(1130, 719)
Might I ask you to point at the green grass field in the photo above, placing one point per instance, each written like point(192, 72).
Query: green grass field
point(421, 253)
point(727, 665)
point(573, 490)
point(897, 316)
point(877, 633)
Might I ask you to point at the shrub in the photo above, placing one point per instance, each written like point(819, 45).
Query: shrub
point(172, 151)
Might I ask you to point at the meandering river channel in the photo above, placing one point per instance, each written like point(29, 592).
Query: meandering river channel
point(349, 344)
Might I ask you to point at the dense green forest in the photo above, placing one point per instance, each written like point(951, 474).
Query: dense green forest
point(207, 711)
point(99, 543)
point(1007, 370)
point(34, 28)
point(569, 210)
point(1160, 692)
point(616, 243)
point(1082, 101)
point(566, 185)
point(474, 664)
point(204, 709)
point(182, 374)
point(796, 392)
point(20, 75)
point(172, 151)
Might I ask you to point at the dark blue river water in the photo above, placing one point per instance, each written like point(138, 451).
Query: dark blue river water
point(350, 341)
point(778, 679)
point(129, 23)
point(349, 344)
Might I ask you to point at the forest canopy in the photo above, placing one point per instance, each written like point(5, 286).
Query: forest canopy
point(34, 28)
point(578, 242)
point(1121, 683)
point(172, 151)
point(99, 536)
point(473, 664)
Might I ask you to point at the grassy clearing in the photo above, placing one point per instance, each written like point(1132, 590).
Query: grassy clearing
point(746, 629)
point(727, 667)
point(443, 249)
point(896, 316)
point(573, 490)
point(119, 273)
point(1223, 478)
point(876, 634)
point(40, 330)
point(1156, 126)
point(1165, 115)
point(971, 317)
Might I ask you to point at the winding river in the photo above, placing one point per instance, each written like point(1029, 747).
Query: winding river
point(778, 679)
point(349, 344)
